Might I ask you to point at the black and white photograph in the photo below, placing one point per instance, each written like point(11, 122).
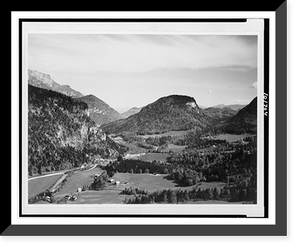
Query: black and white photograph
point(148, 123)
point(154, 115)
point(155, 135)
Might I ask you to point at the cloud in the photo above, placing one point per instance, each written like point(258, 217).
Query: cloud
point(39, 62)
point(140, 53)
point(239, 101)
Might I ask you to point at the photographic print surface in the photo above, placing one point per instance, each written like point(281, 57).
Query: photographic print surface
point(142, 118)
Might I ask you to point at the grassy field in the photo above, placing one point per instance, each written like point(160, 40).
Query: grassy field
point(232, 137)
point(38, 185)
point(154, 156)
point(174, 148)
point(151, 157)
point(79, 179)
point(144, 181)
point(169, 133)
point(134, 149)
point(99, 197)
point(111, 194)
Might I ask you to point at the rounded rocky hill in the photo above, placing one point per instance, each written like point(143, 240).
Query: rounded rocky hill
point(171, 113)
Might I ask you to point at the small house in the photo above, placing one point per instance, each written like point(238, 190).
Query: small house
point(96, 175)
point(111, 180)
point(79, 190)
point(117, 182)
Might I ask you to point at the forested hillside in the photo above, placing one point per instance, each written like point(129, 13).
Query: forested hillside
point(245, 121)
point(219, 114)
point(170, 113)
point(99, 111)
point(61, 135)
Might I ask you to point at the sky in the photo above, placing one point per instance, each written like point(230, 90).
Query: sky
point(128, 70)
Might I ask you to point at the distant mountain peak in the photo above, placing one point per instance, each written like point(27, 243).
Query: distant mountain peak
point(233, 107)
point(131, 112)
point(100, 111)
point(219, 106)
point(43, 80)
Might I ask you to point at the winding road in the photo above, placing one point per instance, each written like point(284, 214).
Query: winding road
point(59, 173)
point(53, 174)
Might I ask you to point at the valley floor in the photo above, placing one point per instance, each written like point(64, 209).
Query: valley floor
point(111, 193)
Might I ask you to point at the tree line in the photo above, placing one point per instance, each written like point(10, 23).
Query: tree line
point(240, 192)
point(137, 167)
point(231, 168)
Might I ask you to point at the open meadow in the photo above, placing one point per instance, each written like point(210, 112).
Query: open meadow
point(38, 185)
point(233, 137)
point(169, 133)
point(111, 193)
point(78, 180)
point(175, 148)
point(153, 156)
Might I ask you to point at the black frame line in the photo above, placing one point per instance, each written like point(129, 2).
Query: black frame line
point(159, 20)
point(130, 20)
point(20, 117)
point(266, 118)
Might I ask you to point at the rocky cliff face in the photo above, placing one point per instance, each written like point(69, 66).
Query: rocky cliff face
point(60, 133)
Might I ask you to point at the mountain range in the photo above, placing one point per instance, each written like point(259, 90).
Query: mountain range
point(232, 107)
point(170, 113)
point(98, 110)
point(219, 114)
point(179, 112)
point(174, 112)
